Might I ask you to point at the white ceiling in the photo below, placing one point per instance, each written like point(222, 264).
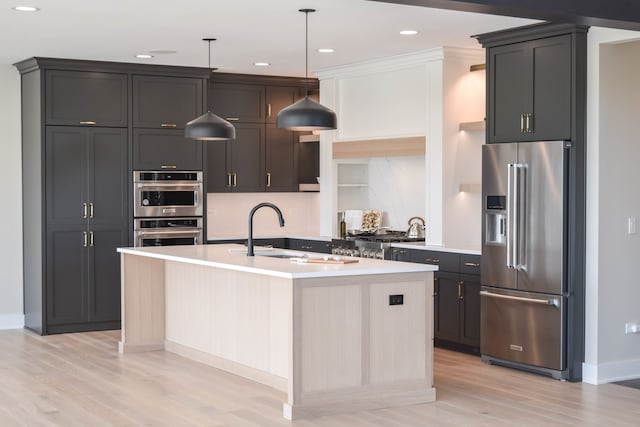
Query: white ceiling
point(247, 31)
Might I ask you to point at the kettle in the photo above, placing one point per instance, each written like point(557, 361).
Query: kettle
point(416, 229)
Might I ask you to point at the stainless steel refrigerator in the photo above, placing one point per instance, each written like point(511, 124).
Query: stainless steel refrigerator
point(524, 295)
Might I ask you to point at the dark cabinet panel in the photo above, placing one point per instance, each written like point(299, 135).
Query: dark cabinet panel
point(398, 254)
point(470, 264)
point(103, 285)
point(107, 180)
point(166, 102)
point(446, 261)
point(247, 158)
point(66, 274)
point(157, 149)
point(65, 154)
point(530, 90)
point(279, 97)
point(308, 162)
point(85, 98)
point(511, 88)
point(238, 102)
point(470, 310)
point(281, 160)
point(218, 178)
point(446, 323)
point(310, 245)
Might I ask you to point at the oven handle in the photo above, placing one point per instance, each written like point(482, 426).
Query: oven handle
point(176, 184)
point(174, 232)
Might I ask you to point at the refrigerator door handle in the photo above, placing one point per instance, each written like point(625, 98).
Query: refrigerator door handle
point(509, 215)
point(550, 301)
point(517, 204)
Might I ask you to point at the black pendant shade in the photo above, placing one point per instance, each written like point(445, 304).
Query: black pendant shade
point(306, 115)
point(209, 127)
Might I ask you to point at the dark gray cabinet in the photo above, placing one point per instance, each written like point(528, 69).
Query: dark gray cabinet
point(166, 102)
point(237, 165)
point(84, 98)
point(456, 297)
point(281, 160)
point(86, 170)
point(279, 97)
point(398, 254)
point(238, 102)
point(165, 149)
point(309, 245)
point(532, 83)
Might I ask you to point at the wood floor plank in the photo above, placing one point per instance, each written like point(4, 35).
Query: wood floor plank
point(82, 380)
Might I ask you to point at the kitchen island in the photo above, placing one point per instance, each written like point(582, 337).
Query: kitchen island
point(334, 337)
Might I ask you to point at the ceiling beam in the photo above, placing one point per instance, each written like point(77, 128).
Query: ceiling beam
point(623, 14)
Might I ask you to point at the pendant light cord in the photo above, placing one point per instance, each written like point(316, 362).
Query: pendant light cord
point(306, 53)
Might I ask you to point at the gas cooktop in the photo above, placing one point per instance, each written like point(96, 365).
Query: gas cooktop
point(384, 236)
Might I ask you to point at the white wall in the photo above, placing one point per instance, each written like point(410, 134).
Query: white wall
point(612, 293)
point(11, 213)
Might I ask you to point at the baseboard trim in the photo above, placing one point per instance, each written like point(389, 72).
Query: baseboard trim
point(11, 321)
point(611, 372)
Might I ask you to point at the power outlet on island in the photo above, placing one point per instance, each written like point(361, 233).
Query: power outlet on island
point(396, 299)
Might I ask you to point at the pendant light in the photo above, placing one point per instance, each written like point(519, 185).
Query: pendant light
point(209, 127)
point(306, 114)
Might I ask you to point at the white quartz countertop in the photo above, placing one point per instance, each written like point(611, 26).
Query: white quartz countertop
point(422, 246)
point(233, 257)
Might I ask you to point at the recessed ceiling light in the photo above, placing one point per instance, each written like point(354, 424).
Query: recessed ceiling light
point(144, 56)
point(261, 64)
point(408, 32)
point(326, 50)
point(26, 9)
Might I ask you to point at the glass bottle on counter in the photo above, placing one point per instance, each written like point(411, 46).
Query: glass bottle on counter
point(343, 227)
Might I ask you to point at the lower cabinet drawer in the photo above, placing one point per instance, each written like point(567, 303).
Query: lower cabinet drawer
point(446, 261)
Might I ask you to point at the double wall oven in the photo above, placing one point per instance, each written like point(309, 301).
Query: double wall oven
point(167, 208)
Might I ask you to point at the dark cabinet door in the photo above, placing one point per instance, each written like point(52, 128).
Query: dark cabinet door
point(308, 162)
point(530, 90)
point(66, 274)
point(166, 102)
point(237, 102)
point(157, 149)
point(552, 68)
point(279, 97)
point(103, 284)
point(446, 326)
point(107, 178)
point(309, 245)
point(510, 91)
point(219, 179)
point(85, 98)
point(66, 188)
point(398, 254)
point(470, 310)
point(247, 158)
point(281, 160)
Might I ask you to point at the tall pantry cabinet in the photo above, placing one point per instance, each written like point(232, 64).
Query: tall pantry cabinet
point(77, 162)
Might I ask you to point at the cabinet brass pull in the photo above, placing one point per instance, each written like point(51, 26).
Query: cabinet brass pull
point(460, 285)
point(91, 239)
point(228, 180)
point(168, 125)
point(90, 210)
point(84, 239)
point(235, 179)
point(268, 110)
point(232, 119)
point(84, 210)
point(521, 122)
point(268, 179)
point(168, 167)
point(306, 247)
point(471, 264)
point(88, 122)
point(432, 261)
point(529, 122)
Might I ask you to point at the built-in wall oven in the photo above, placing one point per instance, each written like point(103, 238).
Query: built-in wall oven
point(160, 194)
point(168, 208)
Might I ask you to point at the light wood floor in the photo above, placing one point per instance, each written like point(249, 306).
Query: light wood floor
point(81, 380)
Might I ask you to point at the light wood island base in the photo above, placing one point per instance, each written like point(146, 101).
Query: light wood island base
point(332, 343)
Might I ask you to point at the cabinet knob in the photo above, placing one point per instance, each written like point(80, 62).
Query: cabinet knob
point(232, 119)
point(268, 179)
point(84, 239)
point(460, 293)
point(90, 210)
point(168, 125)
point(88, 122)
point(268, 110)
point(521, 122)
point(235, 179)
point(432, 261)
point(228, 180)
point(84, 210)
point(471, 264)
point(168, 167)
point(91, 239)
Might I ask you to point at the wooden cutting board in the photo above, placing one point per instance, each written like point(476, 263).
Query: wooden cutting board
point(324, 261)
